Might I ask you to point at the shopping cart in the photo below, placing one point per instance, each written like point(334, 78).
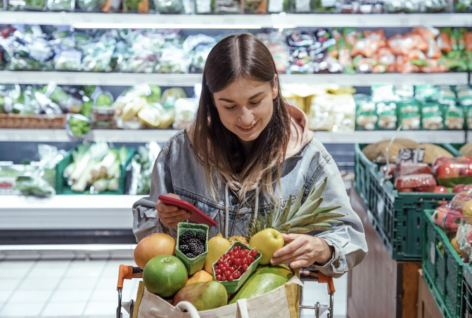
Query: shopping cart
point(130, 272)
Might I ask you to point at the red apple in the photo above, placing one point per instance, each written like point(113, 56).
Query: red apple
point(458, 188)
point(440, 189)
point(439, 161)
point(448, 170)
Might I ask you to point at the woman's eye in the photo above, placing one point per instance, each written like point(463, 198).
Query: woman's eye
point(230, 107)
point(255, 103)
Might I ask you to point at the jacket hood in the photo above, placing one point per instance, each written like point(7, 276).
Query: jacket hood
point(300, 136)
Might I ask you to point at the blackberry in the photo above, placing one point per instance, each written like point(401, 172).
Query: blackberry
point(187, 235)
point(200, 249)
point(190, 255)
point(184, 248)
point(193, 244)
point(201, 237)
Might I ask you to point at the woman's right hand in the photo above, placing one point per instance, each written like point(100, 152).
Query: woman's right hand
point(171, 215)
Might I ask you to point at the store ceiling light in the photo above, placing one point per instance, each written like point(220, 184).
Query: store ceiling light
point(164, 26)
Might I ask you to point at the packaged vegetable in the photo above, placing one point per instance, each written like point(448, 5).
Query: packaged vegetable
point(277, 6)
point(361, 6)
point(25, 5)
point(454, 118)
point(432, 116)
point(403, 6)
point(168, 7)
point(135, 6)
point(409, 114)
point(387, 114)
point(203, 6)
point(435, 6)
point(304, 6)
point(409, 168)
point(464, 95)
point(454, 171)
point(366, 115)
point(323, 6)
point(417, 182)
point(447, 219)
point(226, 6)
point(61, 5)
point(98, 54)
point(255, 6)
point(185, 111)
point(77, 125)
point(462, 6)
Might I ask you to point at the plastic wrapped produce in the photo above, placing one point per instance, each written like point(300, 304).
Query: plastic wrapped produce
point(173, 61)
point(61, 5)
point(135, 6)
point(169, 7)
point(203, 6)
point(98, 54)
point(305, 6)
point(25, 5)
point(403, 6)
point(225, 6)
point(436, 6)
point(321, 114)
point(464, 95)
point(361, 6)
point(185, 111)
point(416, 182)
point(409, 114)
point(454, 118)
point(387, 113)
point(447, 219)
point(255, 6)
point(277, 6)
point(432, 116)
point(463, 6)
point(77, 125)
point(324, 6)
point(454, 171)
point(409, 168)
point(366, 115)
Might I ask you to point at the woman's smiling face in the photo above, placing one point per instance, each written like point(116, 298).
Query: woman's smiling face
point(245, 107)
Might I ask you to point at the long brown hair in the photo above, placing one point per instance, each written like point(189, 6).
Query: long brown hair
point(235, 57)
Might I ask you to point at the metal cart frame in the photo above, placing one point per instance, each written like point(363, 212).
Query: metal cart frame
point(130, 272)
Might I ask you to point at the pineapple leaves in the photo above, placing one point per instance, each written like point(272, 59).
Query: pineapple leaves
point(296, 204)
point(306, 229)
point(327, 217)
point(283, 218)
point(309, 208)
point(316, 193)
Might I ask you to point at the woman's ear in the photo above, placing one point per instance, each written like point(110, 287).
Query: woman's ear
point(275, 87)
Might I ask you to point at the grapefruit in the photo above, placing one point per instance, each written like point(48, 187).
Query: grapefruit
point(153, 245)
point(165, 275)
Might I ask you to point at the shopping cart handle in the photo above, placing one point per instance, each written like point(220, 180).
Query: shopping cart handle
point(322, 278)
point(125, 272)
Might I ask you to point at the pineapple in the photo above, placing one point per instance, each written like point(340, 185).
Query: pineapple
point(298, 218)
point(238, 238)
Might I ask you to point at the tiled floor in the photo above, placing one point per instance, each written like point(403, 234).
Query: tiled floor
point(79, 288)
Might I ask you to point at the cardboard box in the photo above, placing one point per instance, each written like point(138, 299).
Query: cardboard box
point(427, 307)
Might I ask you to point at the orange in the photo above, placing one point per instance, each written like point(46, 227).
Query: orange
point(153, 245)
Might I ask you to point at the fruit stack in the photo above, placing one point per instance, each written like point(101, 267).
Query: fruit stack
point(234, 263)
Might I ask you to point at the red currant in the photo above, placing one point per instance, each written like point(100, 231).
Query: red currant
point(230, 262)
point(245, 267)
point(218, 271)
point(237, 262)
point(230, 279)
point(235, 275)
point(223, 278)
point(232, 269)
point(231, 253)
point(244, 261)
point(218, 277)
point(253, 253)
point(221, 261)
point(223, 267)
point(227, 274)
point(251, 259)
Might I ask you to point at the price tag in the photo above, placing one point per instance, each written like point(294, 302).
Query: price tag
point(411, 155)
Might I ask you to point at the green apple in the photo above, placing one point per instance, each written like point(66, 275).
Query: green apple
point(267, 242)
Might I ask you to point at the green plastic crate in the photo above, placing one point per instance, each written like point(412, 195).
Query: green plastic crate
point(193, 264)
point(232, 287)
point(63, 188)
point(397, 216)
point(466, 305)
point(442, 268)
point(362, 170)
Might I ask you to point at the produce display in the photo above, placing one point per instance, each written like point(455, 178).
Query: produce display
point(348, 50)
point(246, 7)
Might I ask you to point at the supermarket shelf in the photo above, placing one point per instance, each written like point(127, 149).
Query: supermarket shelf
point(127, 79)
point(63, 212)
point(98, 20)
point(141, 136)
point(440, 136)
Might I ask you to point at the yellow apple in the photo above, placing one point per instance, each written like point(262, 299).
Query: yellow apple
point(267, 242)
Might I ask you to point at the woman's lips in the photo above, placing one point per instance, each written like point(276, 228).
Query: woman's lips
point(248, 129)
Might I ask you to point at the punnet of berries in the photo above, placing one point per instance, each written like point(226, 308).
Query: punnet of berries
point(232, 265)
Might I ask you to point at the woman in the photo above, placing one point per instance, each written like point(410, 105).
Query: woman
point(246, 151)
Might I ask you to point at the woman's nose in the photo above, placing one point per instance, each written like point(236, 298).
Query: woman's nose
point(245, 117)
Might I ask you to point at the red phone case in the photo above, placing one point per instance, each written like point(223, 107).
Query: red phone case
point(196, 216)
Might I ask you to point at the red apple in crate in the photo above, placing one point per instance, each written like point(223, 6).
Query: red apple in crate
point(440, 189)
point(448, 170)
point(440, 160)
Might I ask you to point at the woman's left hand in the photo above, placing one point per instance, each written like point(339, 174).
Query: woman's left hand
point(302, 251)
